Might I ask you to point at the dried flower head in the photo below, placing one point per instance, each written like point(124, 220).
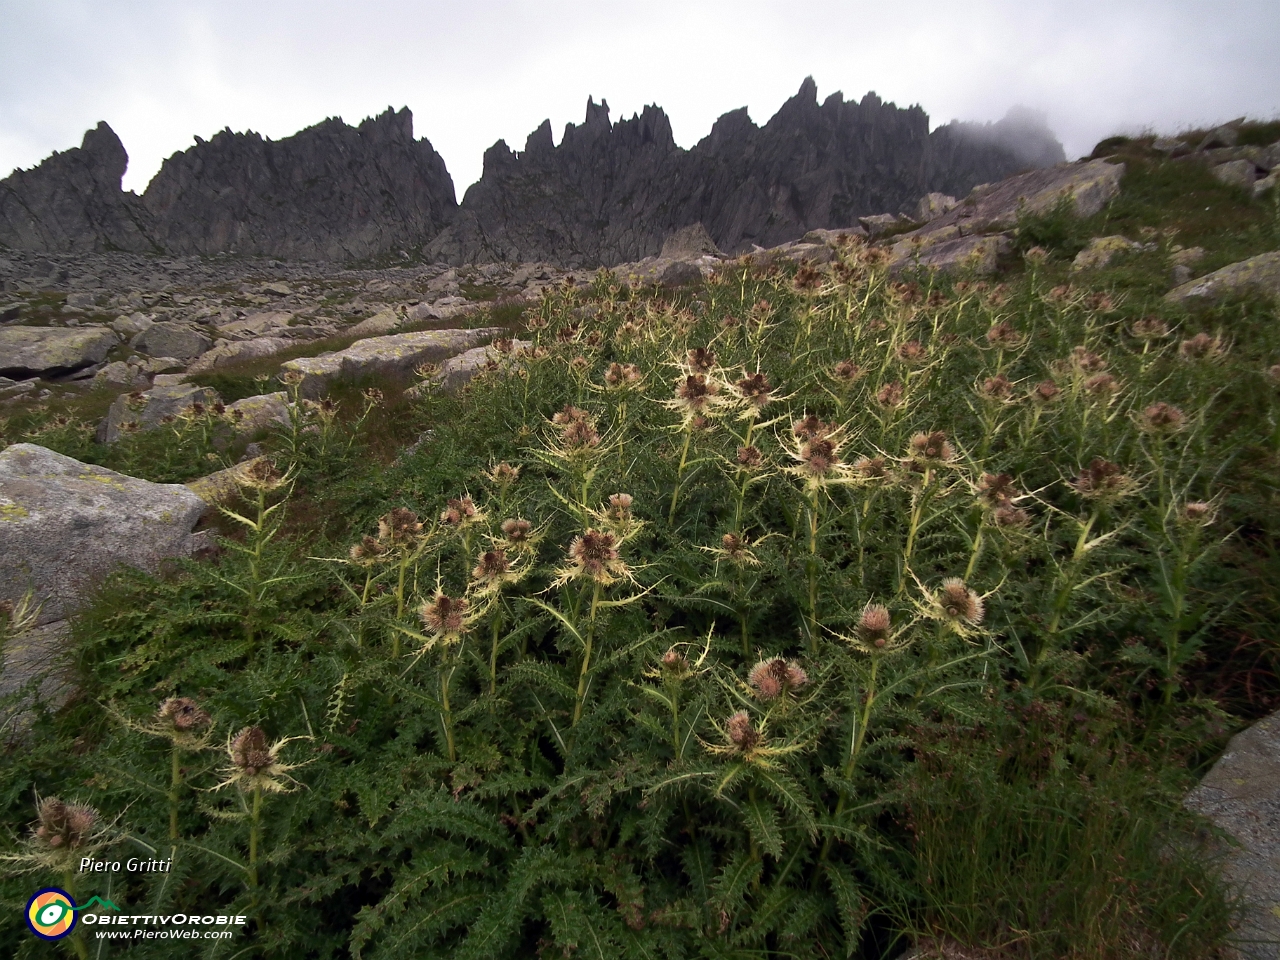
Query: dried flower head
point(594, 555)
point(811, 428)
point(1102, 480)
point(621, 376)
point(1197, 513)
point(1004, 336)
point(847, 372)
point(695, 394)
point(871, 468)
point(1102, 385)
point(254, 763)
point(64, 827)
point(956, 602)
point(700, 360)
point(503, 474)
point(912, 352)
point(931, 448)
point(1036, 255)
point(742, 732)
point(749, 458)
point(1201, 347)
point(890, 395)
point(401, 529)
point(755, 389)
point(997, 489)
point(368, 551)
point(1273, 373)
point(874, 626)
point(776, 677)
point(446, 618)
point(674, 666)
point(1010, 517)
point(1161, 418)
point(1085, 360)
point(1046, 391)
point(1150, 328)
point(998, 388)
point(261, 474)
point(183, 714)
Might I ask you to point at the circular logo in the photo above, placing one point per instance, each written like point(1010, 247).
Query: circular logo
point(51, 913)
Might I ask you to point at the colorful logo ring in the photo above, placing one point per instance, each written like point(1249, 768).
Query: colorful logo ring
point(51, 913)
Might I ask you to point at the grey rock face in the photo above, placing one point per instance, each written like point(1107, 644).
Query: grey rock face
point(975, 255)
point(611, 193)
point(397, 355)
point(171, 339)
point(52, 351)
point(1236, 173)
point(226, 352)
point(65, 525)
point(1088, 186)
point(456, 372)
point(1260, 273)
point(1241, 794)
point(149, 411)
point(689, 243)
point(330, 192)
point(72, 202)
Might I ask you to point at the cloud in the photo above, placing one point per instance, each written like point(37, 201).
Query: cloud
point(475, 72)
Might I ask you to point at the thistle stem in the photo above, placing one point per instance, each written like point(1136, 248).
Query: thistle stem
point(254, 827)
point(813, 571)
point(586, 654)
point(175, 782)
point(675, 493)
point(446, 675)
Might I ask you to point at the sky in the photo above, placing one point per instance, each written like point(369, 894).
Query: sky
point(474, 71)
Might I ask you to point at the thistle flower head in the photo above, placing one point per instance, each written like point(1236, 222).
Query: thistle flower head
point(503, 475)
point(1161, 418)
point(183, 715)
point(446, 619)
point(254, 763)
point(997, 489)
point(736, 549)
point(368, 551)
point(755, 389)
point(1086, 361)
point(931, 448)
point(742, 732)
point(776, 677)
point(912, 352)
point(1202, 347)
point(957, 603)
point(261, 474)
point(1046, 391)
point(493, 571)
point(749, 458)
point(846, 372)
point(1008, 516)
point(890, 395)
point(870, 469)
point(1004, 336)
point(622, 376)
point(674, 666)
point(998, 388)
point(1102, 385)
point(460, 512)
point(695, 394)
point(700, 360)
point(1197, 513)
point(1150, 328)
point(64, 827)
point(517, 535)
point(594, 555)
point(399, 529)
point(1102, 480)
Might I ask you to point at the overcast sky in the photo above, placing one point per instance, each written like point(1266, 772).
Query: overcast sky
point(474, 71)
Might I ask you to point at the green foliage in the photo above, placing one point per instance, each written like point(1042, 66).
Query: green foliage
point(918, 634)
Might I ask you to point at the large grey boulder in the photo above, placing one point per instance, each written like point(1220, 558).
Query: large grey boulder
point(1087, 186)
point(1260, 273)
point(256, 325)
point(1241, 795)
point(392, 356)
point(456, 372)
point(146, 411)
point(66, 525)
point(170, 338)
point(135, 371)
point(226, 352)
point(258, 413)
point(934, 205)
point(689, 243)
point(1236, 173)
point(971, 255)
point(52, 351)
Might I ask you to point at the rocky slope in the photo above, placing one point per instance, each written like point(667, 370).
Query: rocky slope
point(611, 193)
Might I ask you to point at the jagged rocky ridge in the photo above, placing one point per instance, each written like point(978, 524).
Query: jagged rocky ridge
point(609, 193)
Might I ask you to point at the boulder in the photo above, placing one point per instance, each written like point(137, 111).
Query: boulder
point(1226, 135)
point(1266, 183)
point(1241, 795)
point(456, 372)
point(170, 338)
point(1236, 173)
point(396, 355)
point(879, 224)
point(222, 486)
point(1260, 273)
point(934, 205)
point(256, 413)
point(148, 410)
point(973, 255)
point(689, 243)
point(1183, 261)
point(833, 237)
point(679, 273)
point(52, 351)
point(1102, 250)
point(136, 370)
point(66, 525)
point(255, 325)
point(132, 325)
point(1269, 157)
point(1171, 145)
point(382, 322)
point(226, 352)
point(1088, 185)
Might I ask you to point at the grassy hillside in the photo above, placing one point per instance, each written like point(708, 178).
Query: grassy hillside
point(806, 613)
